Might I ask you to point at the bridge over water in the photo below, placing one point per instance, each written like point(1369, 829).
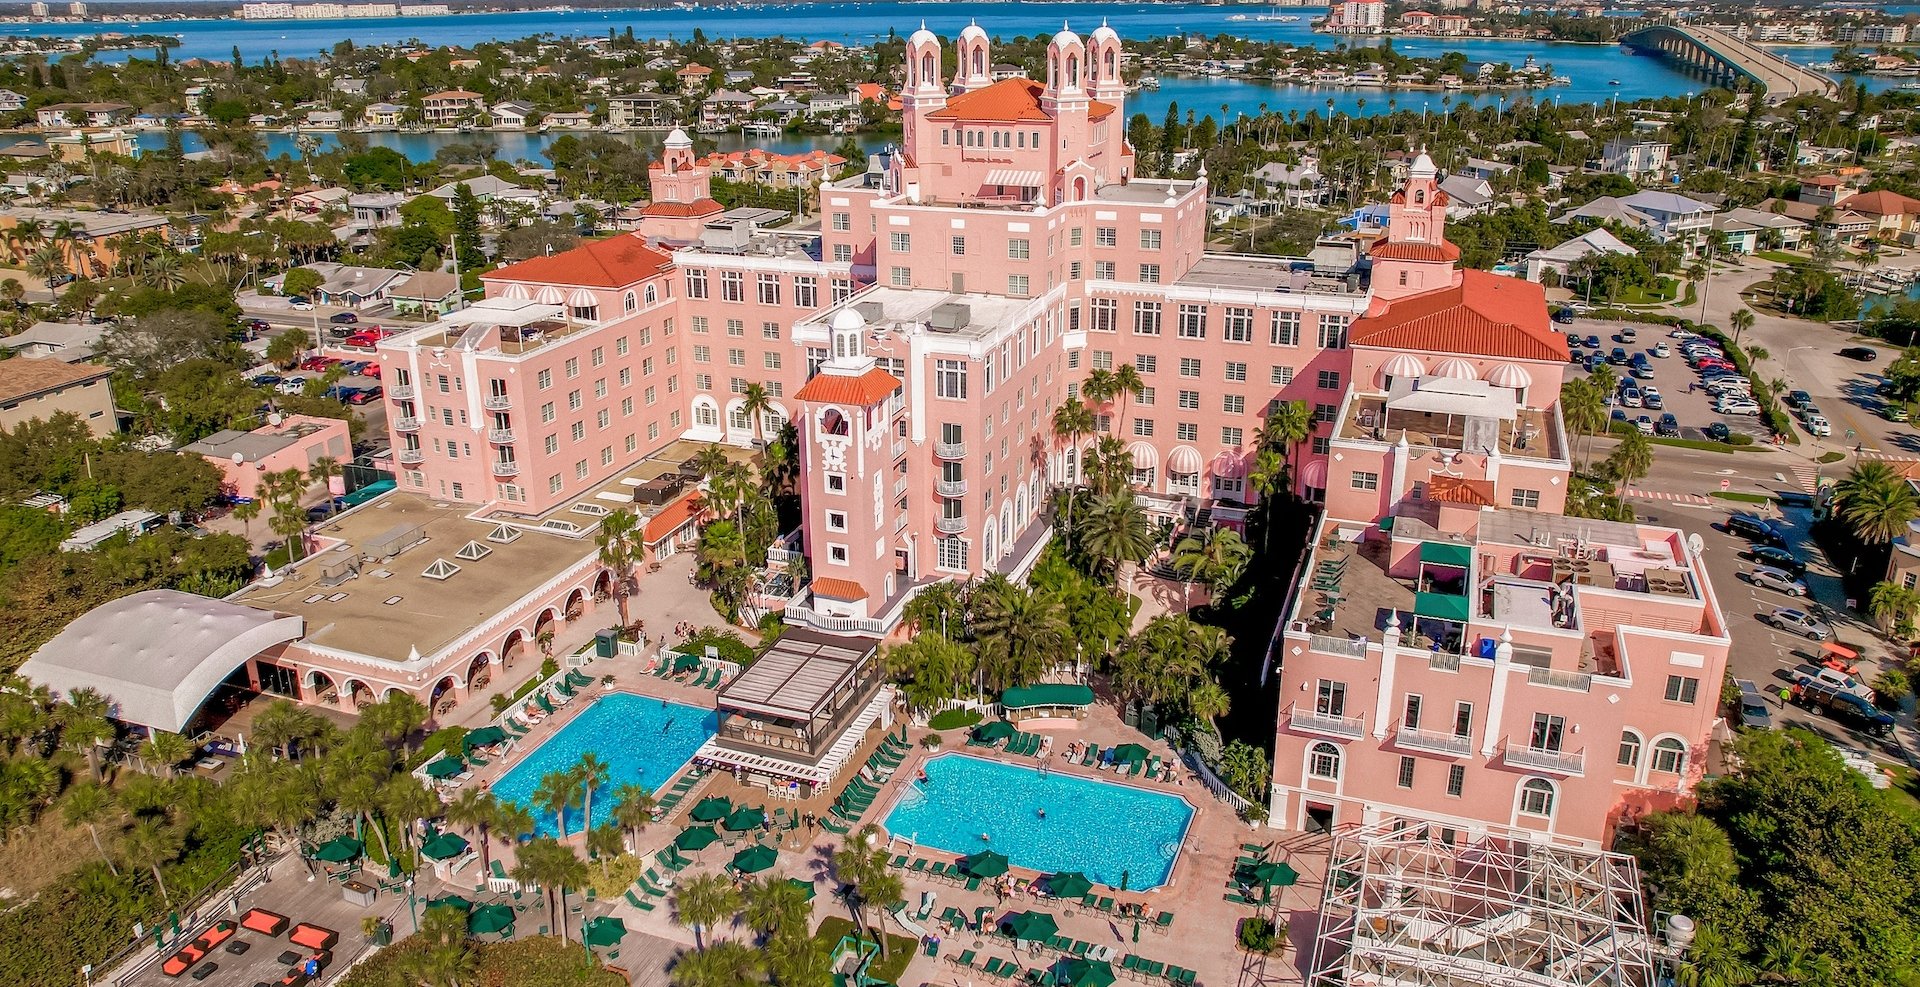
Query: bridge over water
point(1728, 59)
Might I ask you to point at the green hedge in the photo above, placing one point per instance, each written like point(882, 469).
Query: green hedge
point(954, 719)
point(727, 643)
point(444, 739)
point(536, 961)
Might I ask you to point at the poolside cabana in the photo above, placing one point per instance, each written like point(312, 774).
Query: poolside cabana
point(799, 711)
point(1047, 701)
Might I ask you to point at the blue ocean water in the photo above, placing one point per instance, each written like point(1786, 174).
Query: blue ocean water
point(641, 739)
point(1106, 831)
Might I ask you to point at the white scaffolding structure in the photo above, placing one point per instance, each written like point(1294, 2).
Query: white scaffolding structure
point(1410, 905)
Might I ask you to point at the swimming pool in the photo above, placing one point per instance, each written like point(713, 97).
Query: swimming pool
point(641, 739)
point(1104, 830)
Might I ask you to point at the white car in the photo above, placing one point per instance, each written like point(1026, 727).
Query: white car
point(293, 385)
point(300, 305)
point(1730, 405)
point(1683, 335)
point(1662, 350)
point(1818, 425)
point(1629, 397)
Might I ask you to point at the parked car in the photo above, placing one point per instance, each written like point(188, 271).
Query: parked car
point(1593, 342)
point(1767, 577)
point(317, 363)
point(1719, 432)
point(293, 385)
point(1619, 415)
point(1846, 708)
point(339, 332)
point(1563, 315)
point(300, 304)
point(1662, 350)
point(1630, 396)
point(1645, 424)
point(1627, 334)
point(344, 319)
point(1798, 622)
point(259, 325)
point(264, 380)
point(1796, 399)
point(1619, 357)
point(1755, 528)
point(1817, 425)
point(1595, 361)
point(1650, 398)
point(1865, 354)
point(1776, 558)
point(1895, 412)
point(1667, 425)
point(372, 370)
point(364, 395)
point(1738, 406)
point(1754, 714)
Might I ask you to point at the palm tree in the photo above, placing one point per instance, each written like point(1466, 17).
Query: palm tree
point(475, 810)
point(1892, 605)
point(725, 964)
point(1022, 632)
point(1218, 552)
point(1742, 320)
point(1584, 408)
point(1288, 423)
point(861, 865)
point(632, 808)
point(554, 793)
point(166, 749)
point(149, 844)
point(590, 773)
point(1126, 384)
point(700, 902)
point(621, 545)
point(322, 471)
point(1108, 465)
point(756, 403)
point(1072, 423)
point(1116, 531)
point(246, 512)
point(404, 799)
point(89, 804)
point(710, 460)
point(1877, 502)
point(775, 905)
point(1632, 458)
point(84, 724)
point(1099, 388)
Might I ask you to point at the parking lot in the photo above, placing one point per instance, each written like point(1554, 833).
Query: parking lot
point(1765, 654)
point(1676, 382)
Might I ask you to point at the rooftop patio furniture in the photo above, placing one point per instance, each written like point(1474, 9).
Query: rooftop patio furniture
point(264, 922)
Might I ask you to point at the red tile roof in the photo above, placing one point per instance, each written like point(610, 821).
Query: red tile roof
point(673, 517)
point(871, 387)
point(614, 262)
point(1881, 203)
point(1007, 101)
point(683, 210)
point(1484, 315)
point(1460, 490)
point(838, 589)
point(1388, 250)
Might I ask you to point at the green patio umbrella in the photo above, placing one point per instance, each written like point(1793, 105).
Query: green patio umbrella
point(1031, 926)
point(996, 730)
point(745, 818)
point(1078, 972)
point(340, 850)
point(1129, 754)
point(1273, 873)
point(604, 930)
point(986, 863)
point(806, 887)
point(712, 809)
point(488, 919)
point(446, 846)
point(1069, 884)
point(686, 663)
point(695, 838)
point(755, 859)
point(451, 901)
point(446, 767)
point(485, 737)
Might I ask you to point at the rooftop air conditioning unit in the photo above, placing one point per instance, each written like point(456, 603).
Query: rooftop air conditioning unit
point(949, 317)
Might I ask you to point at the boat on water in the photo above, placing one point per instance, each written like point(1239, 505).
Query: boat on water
point(1149, 82)
point(1237, 17)
point(761, 128)
point(1613, 82)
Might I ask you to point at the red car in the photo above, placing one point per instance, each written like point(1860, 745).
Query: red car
point(368, 337)
point(371, 370)
point(317, 362)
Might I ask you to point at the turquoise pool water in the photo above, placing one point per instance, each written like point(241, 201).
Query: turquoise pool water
point(641, 739)
point(1103, 830)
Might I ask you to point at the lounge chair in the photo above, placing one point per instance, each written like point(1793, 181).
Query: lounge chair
point(919, 867)
point(993, 967)
point(1163, 922)
point(645, 906)
point(835, 828)
point(1106, 904)
point(899, 861)
point(963, 960)
point(1091, 754)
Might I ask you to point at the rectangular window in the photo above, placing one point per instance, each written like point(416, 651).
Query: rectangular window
point(901, 277)
point(1192, 322)
point(1190, 400)
point(733, 286)
point(958, 245)
point(1075, 236)
point(1330, 698)
point(736, 327)
point(768, 286)
point(770, 360)
point(842, 254)
point(702, 354)
point(572, 368)
point(1406, 772)
point(1187, 432)
point(1329, 380)
point(1410, 713)
point(1149, 239)
point(1456, 779)
point(1237, 326)
point(1236, 372)
point(1320, 445)
point(770, 330)
point(1146, 363)
point(1100, 359)
point(1105, 313)
point(1529, 499)
point(951, 552)
point(1103, 270)
point(950, 379)
point(1363, 480)
point(1549, 732)
point(696, 283)
point(1017, 285)
point(1463, 720)
point(1143, 426)
point(597, 356)
point(1146, 318)
point(1189, 366)
point(806, 291)
point(1106, 236)
point(699, 325)
point(1333, 332)
point(1233, 404)
point(1285, 329)
point(1232, 435)
point(1149, 274)
point(842, 222)
point(1324, 412)
point(1019, 249)
point(900, 243)
point(1145, 400)
point(1682, 689)
point(544, 379)
point(546, 412)
point(1281, 376)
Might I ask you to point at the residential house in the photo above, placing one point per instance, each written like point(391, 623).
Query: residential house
point(350, 87)
point(11, 102)
point(568, 120)
point(694, 78)
point(1636, 159)
point(636, 111)
point(483, 187)
point(1559, 259)
point(737, 77)
point(33, 388)
point(1297, 185)
point(1484, 169)
point(1667, 216)
point(724, 109)
point(827, 104)
point(511, 115)
point(69, 342)
point(782, 111)
point(1895, 216)
point(77, 145)
point(1466, 195)
point(1007, 70)
point(354, 287)
point(779, 170)
point(1825, 190)
point(1745, 231)
point(244, 459)
point(58, 115)
point(1843, 225)
point(426, 294)
point(318, 200)
point(450, 107)
point(382, 116)
point(195, 99)
point(325, 119)
point(93, 251)
point(375, 209)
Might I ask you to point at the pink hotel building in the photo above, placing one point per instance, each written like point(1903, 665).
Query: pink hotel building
point(1457, 649)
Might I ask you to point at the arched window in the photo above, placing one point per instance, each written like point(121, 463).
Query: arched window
point(706, 415)
point(737, 418)
point(1323, 761)
point(1669, 755)
point(1419, 196)
point(1536, 797)
point(979, 61)
point(1113, 70)
point(834, 423)
point(926, 67)
point(650, 295)
point(1073, 70)
point(631, 302)
point(1629, 756)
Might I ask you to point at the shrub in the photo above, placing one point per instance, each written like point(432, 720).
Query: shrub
point(725, 643)
point(1260, 935)
point(930, 741)
point(610, 876)
point(954, 719)
point(444, 739)
point(1891, 689)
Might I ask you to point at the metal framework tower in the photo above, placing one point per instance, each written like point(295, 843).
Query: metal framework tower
point(1410, 905)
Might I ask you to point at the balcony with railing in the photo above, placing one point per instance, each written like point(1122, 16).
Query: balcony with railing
point(406, 424)
point(505, 467)
point(497, 402)
point(1433, 741)
point(500, 436)
point(1542, 759)
point(950, 525)
point(1329, 724)
point(401, 392)
point(1577, 681)
point(951, 488)
point(412, 455)
point(950, 450)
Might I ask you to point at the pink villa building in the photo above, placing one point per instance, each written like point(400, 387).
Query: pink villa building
point(1458, 650)
point(289, 442)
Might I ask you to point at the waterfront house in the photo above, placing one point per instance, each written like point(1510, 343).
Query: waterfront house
point(373, 209)
point(1639, 160)
point(640, 110)
point(486, 188)
point(382, 116)
point(1895, 216)
point(58, 115)
point(317, 200)
point(511, 115)
point(694, 77)
point(1744, 231)
point(77, 145)
point(324, 119)
point(453, 106)
point(568, 120)
point(1466, 195)
point(724, 109)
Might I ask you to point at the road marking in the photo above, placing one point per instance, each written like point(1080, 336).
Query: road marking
point(1808, 476)
point(1888, 457)
point(1678, 498)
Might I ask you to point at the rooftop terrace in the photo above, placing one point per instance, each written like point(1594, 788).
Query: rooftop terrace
point(1515, 430)
point(1287, 275)
point(942, 313)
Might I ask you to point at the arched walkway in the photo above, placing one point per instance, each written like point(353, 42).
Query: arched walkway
point(480, 670)
point(513, 648)
point(576, 604)
point(441, 700)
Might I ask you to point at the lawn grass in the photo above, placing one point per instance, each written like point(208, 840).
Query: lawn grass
point(1830, 457)
point(1664, 291)
point(888, 968)
point(1742, 497)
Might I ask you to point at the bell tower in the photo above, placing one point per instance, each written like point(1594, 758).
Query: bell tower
point(1415, 255)
point(925, 92)
point(975, 70)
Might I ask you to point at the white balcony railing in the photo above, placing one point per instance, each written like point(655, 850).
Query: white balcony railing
point(406, 424)
point(401, 392)
point(950, 488)
point(1327, 723)
point(950, 525)
point(1433, 741)
point(1327, 644)
point(500, 436)
point(496, 402)
point(413, 455)
point(1578, 681)
point(1540, 759)
point(506, 467)
point(950, 450)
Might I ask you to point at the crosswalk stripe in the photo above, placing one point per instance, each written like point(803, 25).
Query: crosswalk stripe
point(1808, 476)
point(1680, 498)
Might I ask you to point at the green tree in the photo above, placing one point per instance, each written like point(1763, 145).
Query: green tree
point(633, 807)
point(151, 844)
point(1893, 605)
point(466, 225)
point(702, 901)
point(556, 792)
point(1876, 502)
point(89, 804)
point(302, 281)
point(724, 964)
point(1631, 459)
point(555, 867)
point(620, 543)
point(861, 866)
point(590, 773)
point(1115, 531)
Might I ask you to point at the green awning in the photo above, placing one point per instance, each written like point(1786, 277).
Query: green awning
point(446, 846)
point(743, 819)
point(1047, 694)
point(1440, 606)
point(695, 838)
point(1442, 553)
point(986, 863)
point(445, 767)
point(806, 887)
point(485, 737)
point(451, 901)
point(1069, 884)
point(604, 930)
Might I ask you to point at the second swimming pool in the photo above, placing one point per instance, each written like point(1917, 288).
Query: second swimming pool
point(641, 739)
point(1109, 832)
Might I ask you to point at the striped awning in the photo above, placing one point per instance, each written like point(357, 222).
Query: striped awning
point(1145, 456)
point(582, 298)
point(1184, 460)
point(1014, 177)
point(550, 295)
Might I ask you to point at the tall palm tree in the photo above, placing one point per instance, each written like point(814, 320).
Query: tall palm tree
point(89, 804)
point(703, 901)
point(475, 810)
point(633, 808)
point(756, 403)
point(621, 543)
point(166, 749)
point(1115, 531)
point(1742, 320)
point(1892, 604)
point(1022, 631)
point(322, 471)
point(1099, 388)
point(1288, 423)
point(555, 792)
point(724, 964)
point(774, 905)
point(590, 773)
point(555, 867)
point(1632, 458)
point(151, 843)
point(861, 865)
point(1126, 384)
point(85, 725)
point(1219, 553)
point(1072, 423)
